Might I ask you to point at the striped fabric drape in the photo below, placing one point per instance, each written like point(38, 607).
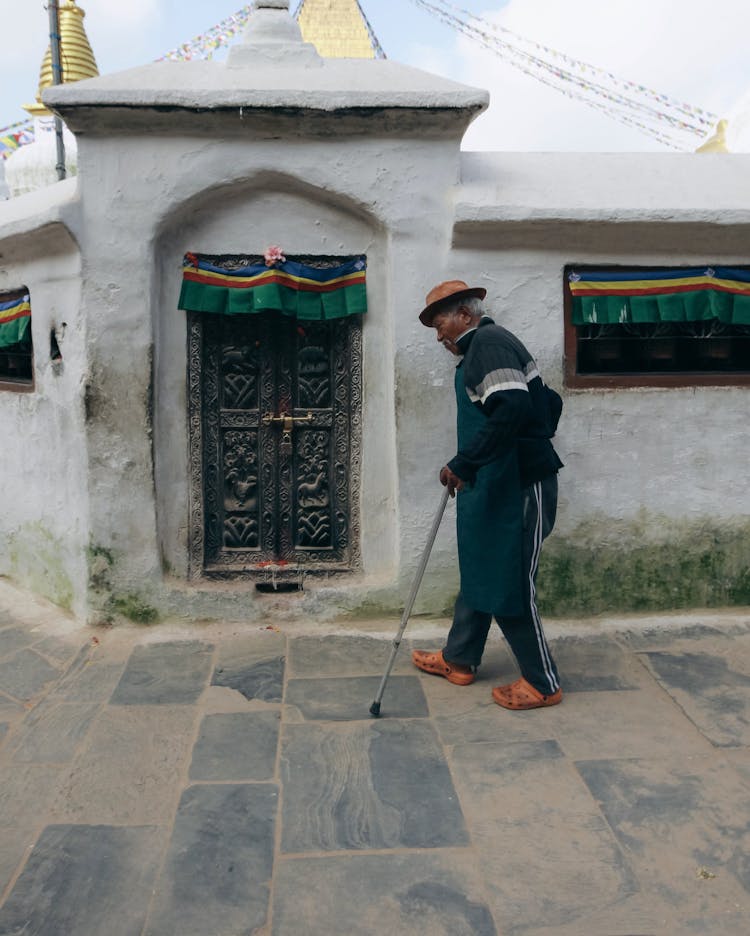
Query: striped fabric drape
point(15, 321)
point(288, 287)
point(605, 297)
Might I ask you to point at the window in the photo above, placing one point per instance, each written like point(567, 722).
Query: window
point(16, 352)
point(635, 326)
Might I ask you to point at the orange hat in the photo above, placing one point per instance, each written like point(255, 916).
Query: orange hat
point(445, 292)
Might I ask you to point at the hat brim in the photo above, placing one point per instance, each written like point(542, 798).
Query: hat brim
point(429, 312)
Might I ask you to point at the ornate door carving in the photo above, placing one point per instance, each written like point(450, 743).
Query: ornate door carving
point(275, 409)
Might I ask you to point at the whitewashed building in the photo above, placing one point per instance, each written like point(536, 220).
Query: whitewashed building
point(161, 458)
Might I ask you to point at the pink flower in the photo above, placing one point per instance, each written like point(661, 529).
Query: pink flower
point(274, 255)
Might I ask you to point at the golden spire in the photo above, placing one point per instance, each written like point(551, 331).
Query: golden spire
point(718, 142)
point(338, 29)
point(76, 56)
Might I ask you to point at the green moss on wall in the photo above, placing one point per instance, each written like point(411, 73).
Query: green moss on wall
point(435, 598)
point(100, 561)
point(105, 596)
point(134, 608)
point(36, 561)
point(605, 567)
point(371, 611)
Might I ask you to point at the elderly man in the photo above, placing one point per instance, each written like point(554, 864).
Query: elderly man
point(505, 473)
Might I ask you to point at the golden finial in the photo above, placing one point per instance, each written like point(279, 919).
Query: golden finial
point(718, 142)
point(337, 29)
point(76, 56)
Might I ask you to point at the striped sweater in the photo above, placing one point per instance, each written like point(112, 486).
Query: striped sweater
point(502, 380)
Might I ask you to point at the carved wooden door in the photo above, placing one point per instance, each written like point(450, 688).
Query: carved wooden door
point(275, 418)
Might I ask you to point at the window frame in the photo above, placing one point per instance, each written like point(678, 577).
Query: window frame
point(21, 384)
point(678, 379)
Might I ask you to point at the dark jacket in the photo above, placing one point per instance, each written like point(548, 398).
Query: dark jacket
point(503, 382)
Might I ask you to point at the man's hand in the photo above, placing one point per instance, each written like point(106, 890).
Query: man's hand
point(451, 481)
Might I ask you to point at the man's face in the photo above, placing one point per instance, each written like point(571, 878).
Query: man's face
point(450, 325)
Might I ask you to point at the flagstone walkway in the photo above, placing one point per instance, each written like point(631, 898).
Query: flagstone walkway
point(232, 781)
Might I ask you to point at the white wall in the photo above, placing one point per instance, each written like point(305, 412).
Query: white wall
point(383, 197)
point(43, 465)
point(652, 498)
point(640, 464)
point(671, 452)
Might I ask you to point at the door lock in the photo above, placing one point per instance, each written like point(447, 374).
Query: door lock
point(286, 423)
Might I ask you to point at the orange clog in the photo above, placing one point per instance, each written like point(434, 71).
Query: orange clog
point(434, 663)
point(522, 695)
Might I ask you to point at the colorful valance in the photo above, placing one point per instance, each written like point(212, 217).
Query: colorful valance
point(15, 321)
point(699, 294)
point(288, 287)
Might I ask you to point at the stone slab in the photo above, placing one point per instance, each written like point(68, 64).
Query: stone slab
point(13, 639)
point(25, 674)
point(95, 682)
point(84, 880)
point(345, 656)
point(267, 643)
point(739, 758)
point(418, 894)
point(218, 869)
point(621, 723)
point(236, 746)
point(644, 914)
point(127, 772)
point(656, 638)
point(636, 723)
point(597, 665)
point(469, 714)
point(675, 817)
point(26, 794)
point(547, 854)
point(518, 780)
point(349, 698)
point(9, 708)
point(712, 689)
point(173, 673)
point(254, 679)
point(549, 870)
point(57, 650)
point(16, 847)
point(367, 786)
point(51, 734)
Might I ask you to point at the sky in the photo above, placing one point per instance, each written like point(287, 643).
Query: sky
point(691, 50)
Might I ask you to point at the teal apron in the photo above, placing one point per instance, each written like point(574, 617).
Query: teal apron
point(489, 523)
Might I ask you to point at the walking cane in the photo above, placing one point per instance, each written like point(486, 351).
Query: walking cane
point(375, 707)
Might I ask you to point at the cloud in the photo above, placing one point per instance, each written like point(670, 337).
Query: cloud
point(681, 48)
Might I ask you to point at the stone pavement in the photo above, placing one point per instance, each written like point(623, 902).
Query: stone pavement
point(228, 780)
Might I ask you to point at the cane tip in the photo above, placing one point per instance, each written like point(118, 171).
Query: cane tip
point(375, 710)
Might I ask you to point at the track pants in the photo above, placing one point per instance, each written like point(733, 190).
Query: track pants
point(468, 633)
